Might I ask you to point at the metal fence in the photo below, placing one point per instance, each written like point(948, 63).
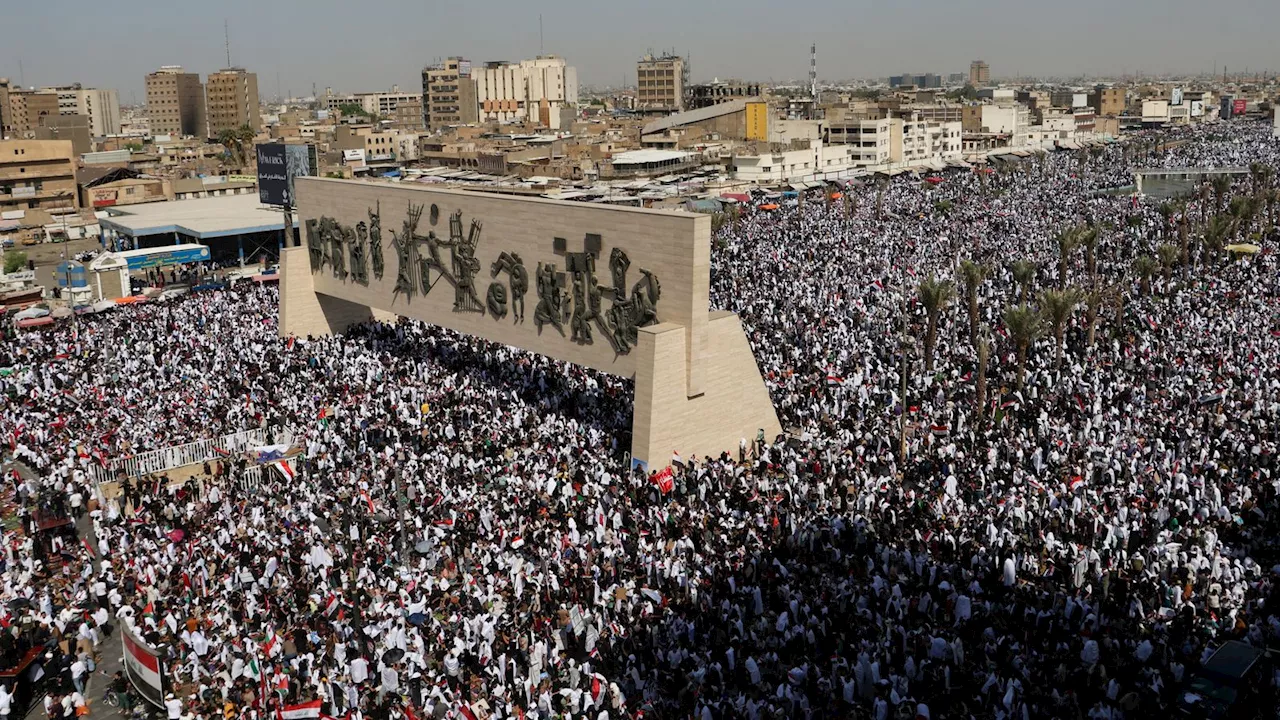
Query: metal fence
point(165, 459)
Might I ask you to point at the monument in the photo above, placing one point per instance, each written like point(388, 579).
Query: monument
point(621, 290)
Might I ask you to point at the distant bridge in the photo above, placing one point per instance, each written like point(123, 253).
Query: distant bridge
point(1171, 182)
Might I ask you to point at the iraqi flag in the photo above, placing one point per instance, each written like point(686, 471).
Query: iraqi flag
point(303, 711)
point(940, 430)
point(835, 380)
point(517, 542)
point(331, 605)
point(285, 469)
point(1076, 482)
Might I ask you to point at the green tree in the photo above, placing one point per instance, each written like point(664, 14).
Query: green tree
point(1056, 307)
point(971, 276)
point(1216, 235)
point(1068, 241)
point(1024, 327)
point(1089, 241)
point(1145, 268)
point(1094, 299)
point(1024, 276)
point(14, 261)
point(935, 295)
point(355, 110)
point(1221, 186)
point(1168, 255)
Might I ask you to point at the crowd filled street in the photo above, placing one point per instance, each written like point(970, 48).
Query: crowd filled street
point(1030, 472)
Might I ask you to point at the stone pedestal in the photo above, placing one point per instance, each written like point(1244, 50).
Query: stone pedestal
point(733, 402)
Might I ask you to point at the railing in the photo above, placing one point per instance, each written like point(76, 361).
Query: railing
point(164, 459)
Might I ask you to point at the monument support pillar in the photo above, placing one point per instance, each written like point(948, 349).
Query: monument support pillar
point(732, 400)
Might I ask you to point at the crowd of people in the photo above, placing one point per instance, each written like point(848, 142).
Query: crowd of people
point(461, 536)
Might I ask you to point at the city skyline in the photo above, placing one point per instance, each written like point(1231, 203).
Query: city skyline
point(323, 43)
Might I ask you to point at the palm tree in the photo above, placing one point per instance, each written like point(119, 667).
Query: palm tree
point(1024, 274)
point(1168, 255)
point(980, 384)
point(1024, 327)
point(1165, 210)
point(1183, 247)
point(1056, 307)
point(1094, 299)
point(882, 182)
point(1068, 241)
point(971, 276)
point(1256, 170)
point(1204, 203)
point(1089, 240)
point(1221, 186)
point(935, 295)
point(1216, 235)
point(230, 140)
point(1145, 267)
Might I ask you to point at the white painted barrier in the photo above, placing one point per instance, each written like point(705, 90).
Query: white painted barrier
point(171, 458)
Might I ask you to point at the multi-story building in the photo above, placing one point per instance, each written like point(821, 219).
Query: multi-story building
point(231, 101)
point(660, 83)
point(722, 91)
point(803, 161)
point(979, 73)
point(536, 91)
point(176, 103)
point(37, 174)
point(942, 112)
point(27, 108)
point(408, 115)
point(1109, 100)
point(925, 80)
point(871, 138)
point(102, 107)
point(4, 107)
point(449, 94)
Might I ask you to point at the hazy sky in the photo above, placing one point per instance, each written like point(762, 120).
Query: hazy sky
point(362, 46)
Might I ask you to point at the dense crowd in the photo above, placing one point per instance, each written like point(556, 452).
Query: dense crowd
point(463, 537)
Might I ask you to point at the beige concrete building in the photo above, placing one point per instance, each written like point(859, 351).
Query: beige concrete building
point(37, 175)
point(449, 95)
point(176, 103)
point(231, 101)
point(536, 91)
point(698, 388)
point(27, 109)
point(5, 87)
point(979, 73)
point(660, 83)
point(101, 107)
point(1109, 101)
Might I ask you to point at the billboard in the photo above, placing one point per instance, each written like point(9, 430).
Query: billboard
point(278, 165)
point(1238, 106)
point(144, 667)
point(180, 255)
point(273, 175)
point(1197, 108)
point(758, 121)
point(1176, 97)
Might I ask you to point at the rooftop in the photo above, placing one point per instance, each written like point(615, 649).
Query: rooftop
point(203, 218)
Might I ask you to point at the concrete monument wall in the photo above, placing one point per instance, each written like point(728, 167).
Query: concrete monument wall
point(621, 290)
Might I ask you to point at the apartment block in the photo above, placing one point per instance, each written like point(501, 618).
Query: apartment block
point(27, 108)
point(231, 101)
point(449, 95)
point(37, 174)
point(176, 103)
point(533, 91)
point(660, 83)
point(979, 73)
point(1109, 101)
point(101, 107)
